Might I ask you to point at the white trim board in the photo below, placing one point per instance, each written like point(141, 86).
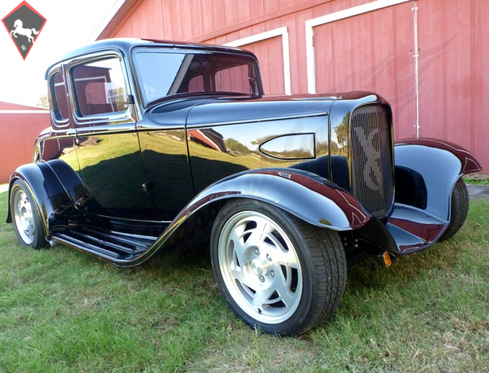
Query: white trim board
point(329, 18)
point(283, 32)
point(106, 20)
point(41, 111)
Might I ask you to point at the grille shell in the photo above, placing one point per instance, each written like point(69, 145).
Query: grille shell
point(372, 158)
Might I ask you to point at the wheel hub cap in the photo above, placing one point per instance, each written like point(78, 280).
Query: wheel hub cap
point(23, 216)
point(259, 267)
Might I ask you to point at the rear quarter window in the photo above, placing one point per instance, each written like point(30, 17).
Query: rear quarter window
point(59, 98)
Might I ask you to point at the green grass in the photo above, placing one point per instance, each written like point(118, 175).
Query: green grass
point(477, 182)
point(477, 179)
point(63, 311)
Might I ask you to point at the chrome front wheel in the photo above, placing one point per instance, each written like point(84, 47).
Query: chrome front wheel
point(260, 267)
point(276, 272)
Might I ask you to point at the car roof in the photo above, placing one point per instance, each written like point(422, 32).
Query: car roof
point(125, 45)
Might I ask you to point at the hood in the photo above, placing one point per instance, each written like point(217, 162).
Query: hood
point(196, 112)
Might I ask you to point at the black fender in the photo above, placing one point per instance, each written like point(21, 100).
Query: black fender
point(57, 190)
point(306, 195)
point(49, 196)
point(439, 164)
point(73, 186)
point(301, 193)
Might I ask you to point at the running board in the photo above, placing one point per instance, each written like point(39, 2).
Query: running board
point(108, 245)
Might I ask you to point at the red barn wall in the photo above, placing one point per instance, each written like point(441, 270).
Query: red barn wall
point(19, 129)
point(454, 74)
point(439, 90)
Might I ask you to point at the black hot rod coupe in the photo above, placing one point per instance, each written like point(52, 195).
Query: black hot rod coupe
point(156, 143)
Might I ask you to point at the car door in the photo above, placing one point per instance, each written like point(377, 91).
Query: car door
point(162, 131)
point(106, 139)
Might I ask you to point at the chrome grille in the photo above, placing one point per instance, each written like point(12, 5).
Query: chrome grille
point(371, 147)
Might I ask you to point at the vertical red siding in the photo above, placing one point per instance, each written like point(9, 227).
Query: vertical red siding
point(269, 53)
point(372, 51)
point(479, 110)
point(453, 72)
point(18, 131)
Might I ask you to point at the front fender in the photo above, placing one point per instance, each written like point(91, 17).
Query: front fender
point(440, 164)
point(468, 161)
point(301, 193)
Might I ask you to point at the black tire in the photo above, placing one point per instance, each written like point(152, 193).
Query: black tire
point(277, 273)
point(459, 209)
point(26, 217)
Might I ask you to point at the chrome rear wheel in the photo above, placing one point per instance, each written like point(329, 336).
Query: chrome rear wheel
point(26, 217)
point(23, 217)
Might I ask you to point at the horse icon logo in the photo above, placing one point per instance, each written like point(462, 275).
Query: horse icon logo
point(20, 30)
point(24, 24)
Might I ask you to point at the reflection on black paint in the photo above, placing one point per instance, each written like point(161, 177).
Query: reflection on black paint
point(120, 172)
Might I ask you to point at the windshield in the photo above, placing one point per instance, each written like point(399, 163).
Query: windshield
point(163, 73)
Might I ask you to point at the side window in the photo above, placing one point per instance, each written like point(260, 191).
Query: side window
point(233, 79)
point(100, 87)
point(58, 97)
point(196, 84)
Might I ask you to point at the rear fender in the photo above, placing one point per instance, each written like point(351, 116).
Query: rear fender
point(49, 196)
point(440, 164)
point(56, 188)
point(74, 186)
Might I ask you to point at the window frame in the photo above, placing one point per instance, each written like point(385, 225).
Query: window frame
point(56, 118)
point(125, 116)
point(252, 69)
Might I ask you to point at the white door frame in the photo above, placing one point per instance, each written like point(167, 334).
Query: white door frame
point(329, 18)
point(282, 32)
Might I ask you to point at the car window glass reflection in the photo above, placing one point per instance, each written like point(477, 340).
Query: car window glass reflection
point(100, 87)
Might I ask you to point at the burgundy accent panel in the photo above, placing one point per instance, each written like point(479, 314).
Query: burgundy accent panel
point(356, 215)
point(426, 232)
